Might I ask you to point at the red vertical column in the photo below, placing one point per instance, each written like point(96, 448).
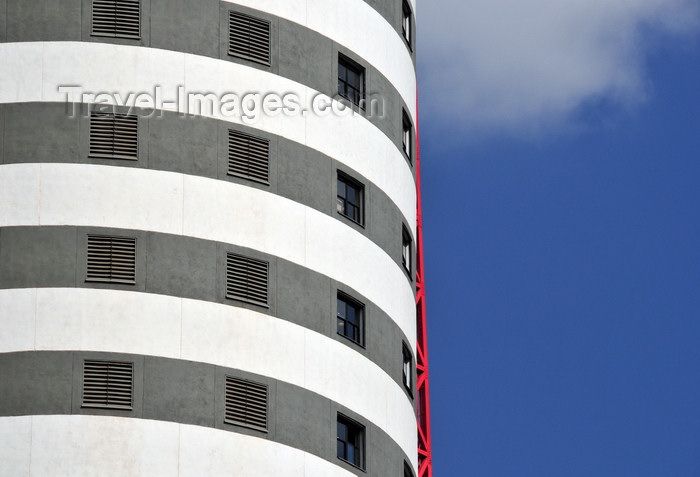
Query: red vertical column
point(425, 453)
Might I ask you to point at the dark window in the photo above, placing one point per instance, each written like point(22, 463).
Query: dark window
point(407, 368)
point(350, 198)
point(248, 156)
point(246, 279)
point(116, 18)
point(246, 403)
point(249, 38)
point(406, 249)
point(407, 136)
point(113, 136)
point(351, 441)
point(351, 80)
point(111, 259)
point(407, 472)
point(108, 384)
point(351, 318)
point(406, 25)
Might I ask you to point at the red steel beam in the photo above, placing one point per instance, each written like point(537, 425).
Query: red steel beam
point(425, 452)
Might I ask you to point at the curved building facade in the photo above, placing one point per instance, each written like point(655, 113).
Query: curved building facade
point(208, 236)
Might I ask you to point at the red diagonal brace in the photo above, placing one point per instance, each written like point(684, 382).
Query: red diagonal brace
point(425, 453)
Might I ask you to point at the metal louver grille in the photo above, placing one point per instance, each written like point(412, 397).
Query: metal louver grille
point(246, 279)
point(249, 38)
point(111, 259)
point(108, 384)
point(246, 403)
point(248, 156)
point(116, 18)
point(114, 136)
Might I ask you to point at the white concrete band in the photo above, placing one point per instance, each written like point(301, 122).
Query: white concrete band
point(33, 72)
point(62, 319)
point(364, 31)
point(173, 203)
point(88, 446)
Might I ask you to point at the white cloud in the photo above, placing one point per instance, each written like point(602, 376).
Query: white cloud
point(524, 64)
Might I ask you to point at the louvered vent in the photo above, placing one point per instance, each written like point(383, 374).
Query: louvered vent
point(246, 279)
point(249, 38)
point(248, 156)
point(246, 403)
point(111, 259)
point(108, 384)
point(114, 136)
point(116, 18)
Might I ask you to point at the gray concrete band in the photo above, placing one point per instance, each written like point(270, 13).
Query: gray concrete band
point(196, 145)
point(390, 10)
point(186, 267)
point(298, 53)
point(50, 383)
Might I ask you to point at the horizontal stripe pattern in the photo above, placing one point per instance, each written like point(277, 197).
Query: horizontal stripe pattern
point(182, 267)
point(114, 136)
point(34, 72)
point(84, 195)
point(111, 259)
point(60, 319)
point(108, 384)
point(358, 27)
point(197, 146)
point(85, 446)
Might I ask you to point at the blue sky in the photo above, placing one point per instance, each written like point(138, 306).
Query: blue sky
point(562, 223)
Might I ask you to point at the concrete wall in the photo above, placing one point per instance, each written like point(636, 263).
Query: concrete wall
point(3, 18)
point(38, 446)
point(185, 212)
point(109, 321)
point(177, 266)
point(35, 71)
point(304, 54)
point(50, 383)
point(199, 146)
point(166, 202)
